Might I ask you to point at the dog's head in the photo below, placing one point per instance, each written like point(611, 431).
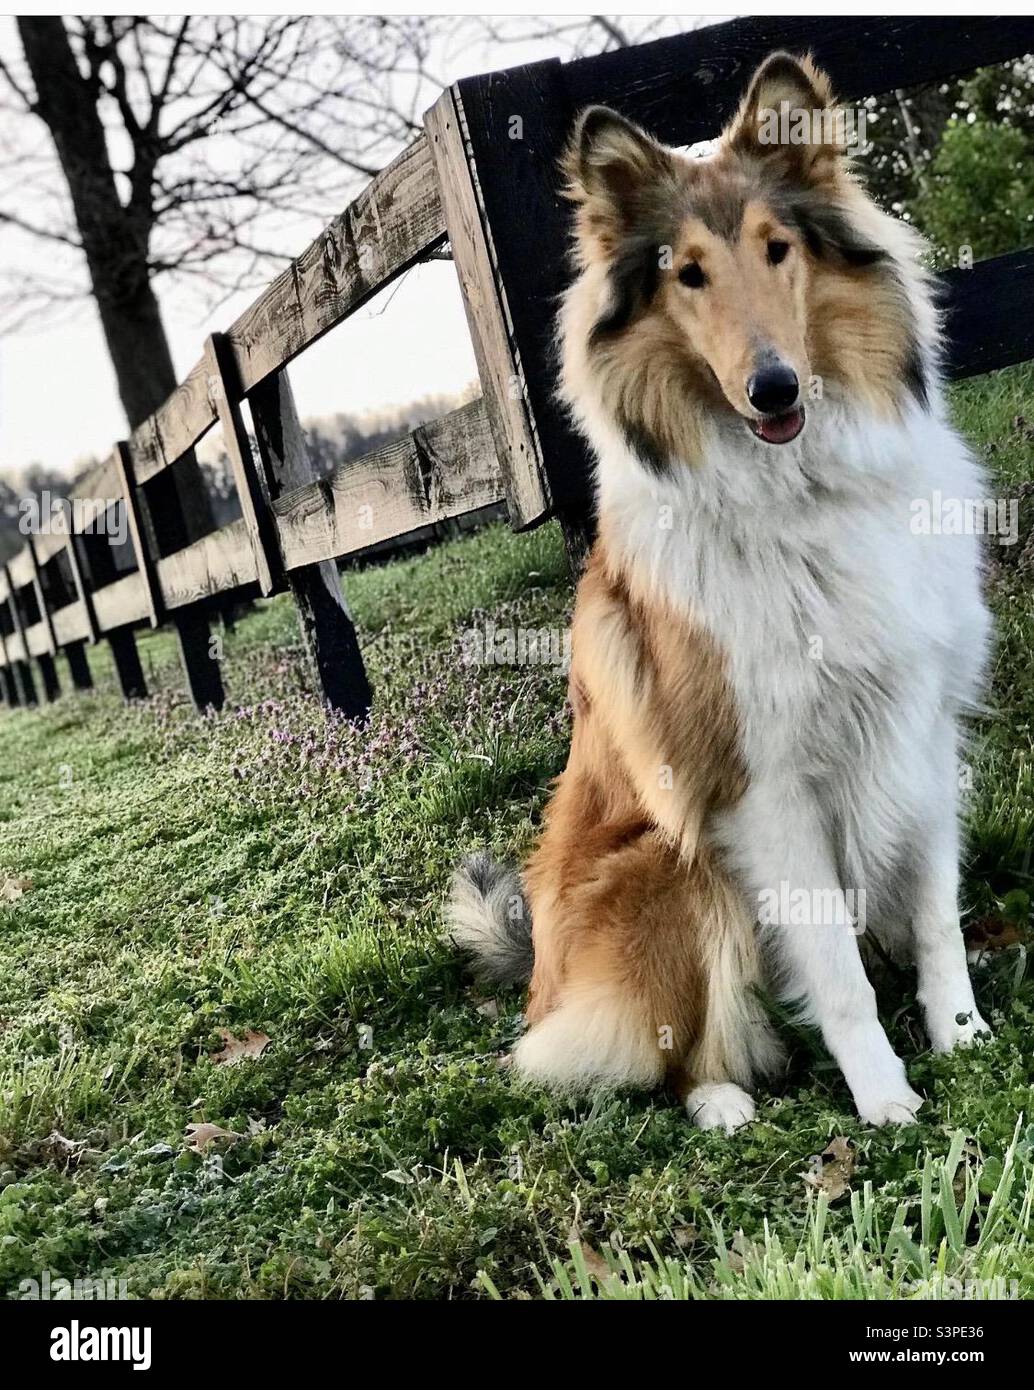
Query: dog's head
point(732, 282)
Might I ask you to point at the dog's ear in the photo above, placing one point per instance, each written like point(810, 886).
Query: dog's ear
point(789, 117)
point(610, 162)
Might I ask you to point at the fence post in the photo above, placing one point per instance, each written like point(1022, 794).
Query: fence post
point(75, 652)
point(23, 668)
point(7, 681)
point(225, 390)
point(514, 125)
point(328, 633)
point(484, 303)
point(46, 661)
point(92, 567)
point(166, 531)
point(78, 665)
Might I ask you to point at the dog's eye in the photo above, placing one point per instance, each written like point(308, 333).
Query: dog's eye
point(777, 252)
point(692, 276)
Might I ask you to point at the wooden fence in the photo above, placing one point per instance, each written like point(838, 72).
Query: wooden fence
point(483, 177)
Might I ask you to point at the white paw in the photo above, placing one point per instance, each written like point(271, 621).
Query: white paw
point(958, 1030)
point(719, 1105)
point(898, 1108)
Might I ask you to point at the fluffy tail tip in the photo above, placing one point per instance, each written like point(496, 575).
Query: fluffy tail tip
point(488, 920)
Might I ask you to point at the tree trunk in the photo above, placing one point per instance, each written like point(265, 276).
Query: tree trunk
point(115, 242)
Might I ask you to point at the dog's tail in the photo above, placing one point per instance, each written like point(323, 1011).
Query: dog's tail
point(489, 921)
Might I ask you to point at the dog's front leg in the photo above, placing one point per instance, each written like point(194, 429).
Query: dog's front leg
point(945, 988)
point(783, 850)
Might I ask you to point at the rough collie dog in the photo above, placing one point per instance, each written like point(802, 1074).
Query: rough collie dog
point(769, 665)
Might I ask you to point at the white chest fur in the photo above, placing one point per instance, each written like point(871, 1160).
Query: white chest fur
point(849, 635)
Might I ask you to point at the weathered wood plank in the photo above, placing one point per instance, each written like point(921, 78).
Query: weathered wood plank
point(393, 222)
point(37, 639)
point(49, 543)
point(484, 302)
point(71, 624)
point(684, 88)
point(215, 564)
point(21, 571)
point(121, 603)
point(176, 425)
point(443, 469)
point(328, 633)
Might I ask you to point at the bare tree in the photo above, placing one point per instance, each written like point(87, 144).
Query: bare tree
point(190, 149)
point(175, 139)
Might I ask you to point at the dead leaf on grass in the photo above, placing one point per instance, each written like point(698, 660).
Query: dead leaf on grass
point(198, 1137)
point(235, 1050)
point(11, 889)
point(831, 1171)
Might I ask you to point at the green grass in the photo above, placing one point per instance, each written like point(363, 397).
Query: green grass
point(265, 869)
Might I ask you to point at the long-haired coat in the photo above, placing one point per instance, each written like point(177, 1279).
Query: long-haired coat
point(769, 664)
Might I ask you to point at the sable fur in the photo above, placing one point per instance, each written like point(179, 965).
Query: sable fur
point(768, 669)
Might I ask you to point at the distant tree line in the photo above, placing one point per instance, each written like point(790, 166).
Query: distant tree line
point(332, 439)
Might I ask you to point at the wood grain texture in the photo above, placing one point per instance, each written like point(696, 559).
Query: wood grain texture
point(684, 88)
point(254, 508)
point(443, 469)
point(121, 603)
point(176, 426)
point(393, 222)
point(503, 385)
point(215, 564)
point(124, 470)
point(529, 232)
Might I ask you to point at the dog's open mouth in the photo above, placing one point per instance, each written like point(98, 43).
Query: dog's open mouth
point(779, 429)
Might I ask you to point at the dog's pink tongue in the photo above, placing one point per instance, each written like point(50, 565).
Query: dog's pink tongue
point(780, 429)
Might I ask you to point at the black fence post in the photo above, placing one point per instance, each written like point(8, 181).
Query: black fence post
point(328, 632)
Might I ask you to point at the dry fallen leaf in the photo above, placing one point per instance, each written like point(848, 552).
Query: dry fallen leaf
point(594, 1261)
point(831, 1171)
point(237, 1049)
point(198, 1137)
point(12, 888)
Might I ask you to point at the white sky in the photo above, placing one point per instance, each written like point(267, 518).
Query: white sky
point(58, 400)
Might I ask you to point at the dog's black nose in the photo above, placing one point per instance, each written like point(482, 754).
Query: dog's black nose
point(773, 388)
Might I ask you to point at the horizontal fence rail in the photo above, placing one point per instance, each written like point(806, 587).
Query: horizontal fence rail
point(495, 200)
